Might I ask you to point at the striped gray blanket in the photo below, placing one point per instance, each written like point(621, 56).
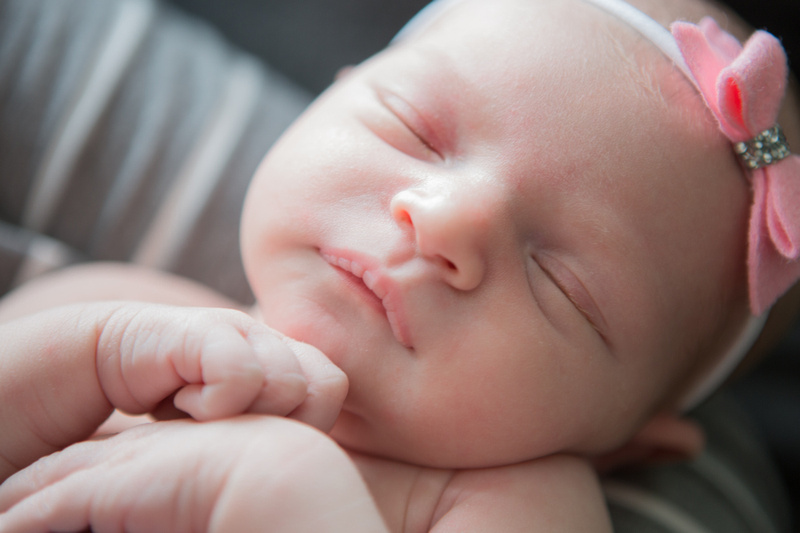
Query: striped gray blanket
point(128, 133)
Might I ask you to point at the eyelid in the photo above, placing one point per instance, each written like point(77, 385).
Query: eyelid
point(413, 120)
point(575, 290)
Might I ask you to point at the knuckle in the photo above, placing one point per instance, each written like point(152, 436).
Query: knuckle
point(282, 394)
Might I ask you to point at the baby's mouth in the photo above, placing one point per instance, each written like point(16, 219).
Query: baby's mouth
point(379, 286)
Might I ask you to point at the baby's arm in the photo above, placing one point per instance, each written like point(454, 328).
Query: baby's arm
point(99, 281)
point(63, 371)
point(248, 473)
point(552, 494)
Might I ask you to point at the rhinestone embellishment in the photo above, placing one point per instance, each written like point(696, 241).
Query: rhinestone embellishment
point(767, 148)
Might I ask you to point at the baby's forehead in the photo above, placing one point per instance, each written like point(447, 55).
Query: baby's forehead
point(528, 58)
point(541, 43)
point(571, 90)
point(582, 96)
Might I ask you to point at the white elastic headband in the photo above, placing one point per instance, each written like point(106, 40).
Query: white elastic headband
point(655, 32)
point(662, 38)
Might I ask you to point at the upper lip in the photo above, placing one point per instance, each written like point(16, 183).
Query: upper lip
point(374, 278)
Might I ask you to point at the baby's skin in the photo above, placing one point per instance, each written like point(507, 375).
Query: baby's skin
point(244, 474)
point(235, 474)
point(176, 475)
point(491, 228)
point(133, 356)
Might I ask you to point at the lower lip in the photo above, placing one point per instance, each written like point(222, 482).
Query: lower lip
point(358, 286)
point(356, 283)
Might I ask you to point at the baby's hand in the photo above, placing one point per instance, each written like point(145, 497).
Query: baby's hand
point(249, 473)
point(63, 370)
point(218, 362)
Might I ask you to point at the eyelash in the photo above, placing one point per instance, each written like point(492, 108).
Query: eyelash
point(387, 99)
point(419, 137)
point(552, 280)
point(570, 298)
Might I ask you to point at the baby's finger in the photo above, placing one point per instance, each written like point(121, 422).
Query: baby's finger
point(63, 506)
point(327, 387)
point(285, 383)
point(48, 471)
point(229, 377)
point(216, 362)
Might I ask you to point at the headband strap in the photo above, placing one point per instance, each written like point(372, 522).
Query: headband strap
point(649, 28)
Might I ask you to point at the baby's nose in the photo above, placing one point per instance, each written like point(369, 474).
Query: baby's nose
point(451, 230)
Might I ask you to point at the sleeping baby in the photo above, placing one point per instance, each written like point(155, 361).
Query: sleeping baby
point(514, 245)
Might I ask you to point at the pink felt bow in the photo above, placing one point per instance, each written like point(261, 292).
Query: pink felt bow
point(744, 87)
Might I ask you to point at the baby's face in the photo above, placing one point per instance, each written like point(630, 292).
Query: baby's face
point(510, 241)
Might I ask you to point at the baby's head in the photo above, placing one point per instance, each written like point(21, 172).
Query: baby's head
point(518, 230)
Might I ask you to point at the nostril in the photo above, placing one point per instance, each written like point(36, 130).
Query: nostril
point(401, 215)
point(464, 275)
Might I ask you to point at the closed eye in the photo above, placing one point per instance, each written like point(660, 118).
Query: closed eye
point(412, 120)
point(575, 292)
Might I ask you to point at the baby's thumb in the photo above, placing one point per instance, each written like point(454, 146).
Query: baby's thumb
point(327, 387)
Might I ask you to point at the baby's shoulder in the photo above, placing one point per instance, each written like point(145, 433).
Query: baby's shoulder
point(559, 489)
point(554, 493)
